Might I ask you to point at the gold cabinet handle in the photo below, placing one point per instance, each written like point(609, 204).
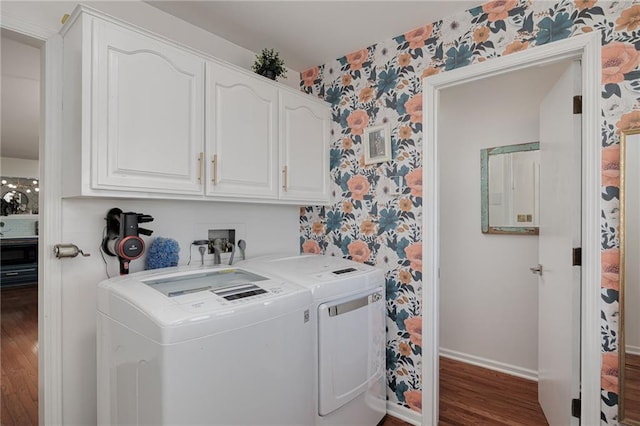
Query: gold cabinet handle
point(214, 167)
point(201, 161)
point(284, 178)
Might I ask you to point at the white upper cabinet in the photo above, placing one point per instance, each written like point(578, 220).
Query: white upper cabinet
point(242, 134)
point(304, 149)
point(145, 117)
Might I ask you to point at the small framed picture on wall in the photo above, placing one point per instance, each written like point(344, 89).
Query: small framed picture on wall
point(377, 144)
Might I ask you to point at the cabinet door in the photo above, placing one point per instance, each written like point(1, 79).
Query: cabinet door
point(241, 134)
point(304, 149)
point(147, 128)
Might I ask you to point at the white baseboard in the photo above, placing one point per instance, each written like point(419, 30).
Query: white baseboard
point(491, 365)
point(633, 350)
point(404, 413)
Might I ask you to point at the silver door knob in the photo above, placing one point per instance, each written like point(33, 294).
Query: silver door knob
point(536, 269)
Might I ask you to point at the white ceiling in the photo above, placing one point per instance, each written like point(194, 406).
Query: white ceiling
point(309, 33)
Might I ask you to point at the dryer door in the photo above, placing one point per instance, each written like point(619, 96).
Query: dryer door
point(351, 343)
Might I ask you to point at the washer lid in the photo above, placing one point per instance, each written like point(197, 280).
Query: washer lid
point(228, 283)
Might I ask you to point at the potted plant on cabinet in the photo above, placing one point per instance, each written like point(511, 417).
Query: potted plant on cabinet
point(269, 64)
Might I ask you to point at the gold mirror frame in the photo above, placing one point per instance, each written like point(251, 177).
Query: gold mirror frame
point(621, 293)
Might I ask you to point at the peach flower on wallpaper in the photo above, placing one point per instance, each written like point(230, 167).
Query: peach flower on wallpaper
point(585, 4)
point(414, 327)
point(628, 121)
point(367, 227)
point(498, 10)
point(405, 204)
point(414, 108)
point(405, 277)
point(404, 60)
point(481, 34)
point(618, 58)
point(414, 254)
point(359, 251)
point(611, 165)
point(610, 372)
point(356, 59)
point(516, 46)
point(611, 268)
point(358, 186)
point(428, 72)
point(404, 349)
point(419, 36)
point(357, 121)
point(629, 19)
point(366, 95)
point(311, 246)
point(414, 400)
point(317, 228)
point(414, 182)
point(309, 76)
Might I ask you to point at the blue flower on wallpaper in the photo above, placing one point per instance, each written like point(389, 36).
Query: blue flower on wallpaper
point(333, 95)
point(334, 158)
point(388, 220)
point(387, 80)
point(554, 29)
point(334, 220)
point(459, 57)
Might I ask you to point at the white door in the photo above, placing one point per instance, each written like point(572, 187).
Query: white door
point(242, 132)
point(304, 149)
point(560, 230)
point(148, 104)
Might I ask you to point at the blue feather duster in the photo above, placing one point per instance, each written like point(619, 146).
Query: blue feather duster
point(163, 253)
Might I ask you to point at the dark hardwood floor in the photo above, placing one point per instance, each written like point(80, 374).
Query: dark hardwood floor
point(469, 395)
point(19, 355)
point(632, 387)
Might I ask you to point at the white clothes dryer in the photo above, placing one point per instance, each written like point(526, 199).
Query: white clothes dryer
point(184, 346)
point(349, 320)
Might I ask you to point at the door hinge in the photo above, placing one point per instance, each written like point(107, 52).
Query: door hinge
point(577, 104)
point(575, 407)
point(577, 256)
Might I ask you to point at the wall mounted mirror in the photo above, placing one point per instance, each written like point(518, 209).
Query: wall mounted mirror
point(19, 195)
point(629, 298)
point(510, 188)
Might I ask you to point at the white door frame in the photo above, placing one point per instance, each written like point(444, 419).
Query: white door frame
point(586, 48)
point(49, 268)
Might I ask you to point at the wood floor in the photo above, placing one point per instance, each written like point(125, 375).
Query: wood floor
point(469, 395)
point(19, 355)
point(632, 387)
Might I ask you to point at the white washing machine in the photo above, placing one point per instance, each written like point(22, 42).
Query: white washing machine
point(348, 316)
point(209, 347)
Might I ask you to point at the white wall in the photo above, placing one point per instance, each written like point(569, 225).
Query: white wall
point(632, 246)
point(488, 296)
point(19, 167)
point(266, 228)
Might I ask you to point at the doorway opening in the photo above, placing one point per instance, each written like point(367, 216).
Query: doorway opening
point(489, 310)
point(585, 48)
point(19, 225)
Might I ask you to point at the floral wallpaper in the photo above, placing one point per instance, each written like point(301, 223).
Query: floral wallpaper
point(375, 212)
